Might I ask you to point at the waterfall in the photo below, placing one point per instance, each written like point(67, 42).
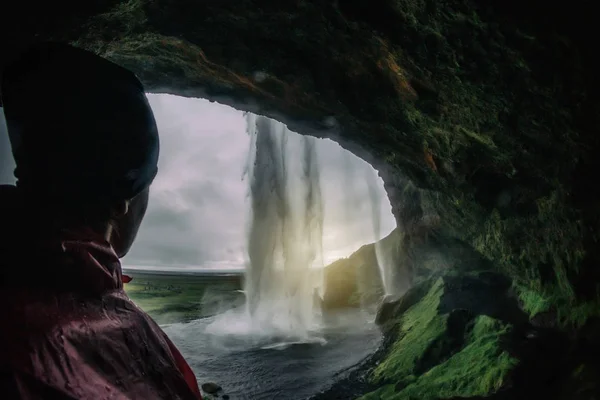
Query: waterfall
point(353, 174)
point(284, 273)
point(285, 230)
point(375, 199)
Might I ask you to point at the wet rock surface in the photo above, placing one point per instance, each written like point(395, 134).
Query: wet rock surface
point(211, 388)
point(213, 391)
point(481, 119)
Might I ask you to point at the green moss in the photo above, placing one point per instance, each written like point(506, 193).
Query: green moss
point(385, 392)
point(478, 369)
point(569, 312)
point(537, 238)
point(420, 326)
point(533, 302)
point(541, 252)
point(476, 366)
point(578, 314)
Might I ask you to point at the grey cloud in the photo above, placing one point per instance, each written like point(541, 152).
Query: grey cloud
point(163, 254)
point(204, 151)
point(163, 217)
point(210, 192)
point(198, 203)
point(197, 200)
point(195, 233)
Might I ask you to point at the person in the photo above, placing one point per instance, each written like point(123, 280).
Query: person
point(86, 148)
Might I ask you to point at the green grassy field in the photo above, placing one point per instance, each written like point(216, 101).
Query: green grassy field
point(172, 297)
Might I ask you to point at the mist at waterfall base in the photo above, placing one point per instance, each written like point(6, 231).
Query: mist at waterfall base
point(280, 344)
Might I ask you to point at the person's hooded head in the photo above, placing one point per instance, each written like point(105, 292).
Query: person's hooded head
point(83, 136)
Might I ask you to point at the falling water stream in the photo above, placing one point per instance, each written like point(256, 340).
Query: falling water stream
point(384, 267)
point(285, 233)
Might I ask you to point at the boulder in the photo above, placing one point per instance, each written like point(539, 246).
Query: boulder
point(211, 388)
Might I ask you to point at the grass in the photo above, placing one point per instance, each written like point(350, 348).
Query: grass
point(425, 362)
point(534, 302)
point(179, 298)
point(478, 369)
point(420, 325)
point(569, 313)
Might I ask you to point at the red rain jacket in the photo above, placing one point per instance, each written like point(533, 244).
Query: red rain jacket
point(69, 331)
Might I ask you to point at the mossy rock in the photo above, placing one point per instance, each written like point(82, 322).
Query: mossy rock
point(460, 336)
point(442, 351)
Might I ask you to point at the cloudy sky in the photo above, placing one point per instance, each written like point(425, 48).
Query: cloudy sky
point(199, 205)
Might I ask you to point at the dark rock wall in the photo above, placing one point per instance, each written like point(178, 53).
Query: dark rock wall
point(482, 118)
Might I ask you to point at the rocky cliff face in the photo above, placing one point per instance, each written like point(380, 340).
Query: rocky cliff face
point(481, 118)
point(354, 281)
